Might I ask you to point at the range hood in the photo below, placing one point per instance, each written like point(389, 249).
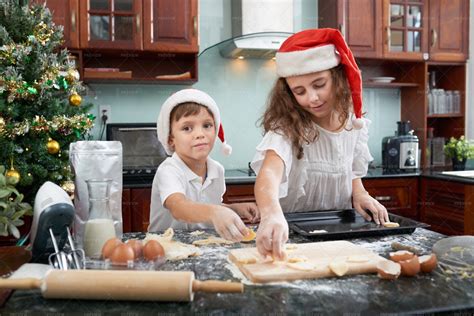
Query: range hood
point(259, 27)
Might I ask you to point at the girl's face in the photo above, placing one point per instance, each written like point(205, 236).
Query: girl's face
point(314, 93)
point(193, 137)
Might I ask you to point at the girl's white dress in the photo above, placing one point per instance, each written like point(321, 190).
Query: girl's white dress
point(322, 179)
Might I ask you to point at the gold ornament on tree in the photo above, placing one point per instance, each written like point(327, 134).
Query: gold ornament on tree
point(12, 175)
point(69, 187)
point(2, 125)
point(75, 99)
point(52, 146)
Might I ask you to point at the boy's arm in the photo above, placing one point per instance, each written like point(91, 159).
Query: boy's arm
point(227, 223)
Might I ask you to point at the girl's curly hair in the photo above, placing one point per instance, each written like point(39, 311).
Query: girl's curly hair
point(285, 116)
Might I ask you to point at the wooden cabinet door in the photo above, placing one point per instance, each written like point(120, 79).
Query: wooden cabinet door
point(171, 26)
point(449, 30)
point(360, 22)
point(140, 209)
point(126, 211)
point(405, 25)
point(398, 195)
point(65, 13)
point(111, 24)
point(239, 193)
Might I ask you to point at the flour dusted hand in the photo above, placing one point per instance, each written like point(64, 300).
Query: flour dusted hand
point(272, 235)
point(364, 203)
point(228, 224)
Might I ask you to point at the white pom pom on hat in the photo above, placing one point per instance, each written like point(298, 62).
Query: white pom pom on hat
point(183, 96)
point(316, 50)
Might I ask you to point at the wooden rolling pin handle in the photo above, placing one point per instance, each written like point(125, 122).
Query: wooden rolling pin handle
point(217, 287)
point(20, 284)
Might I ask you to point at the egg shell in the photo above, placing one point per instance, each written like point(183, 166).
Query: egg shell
point(137, 246)
point(153, 250)
point(428, 263)
point(109, 247)
point(122, 254)
point(388, 270)
point(401, 255)
point(410, 267)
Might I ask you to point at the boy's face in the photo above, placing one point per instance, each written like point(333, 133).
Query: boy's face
point(193, 136)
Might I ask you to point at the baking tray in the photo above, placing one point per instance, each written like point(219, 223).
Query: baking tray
point(343, 224)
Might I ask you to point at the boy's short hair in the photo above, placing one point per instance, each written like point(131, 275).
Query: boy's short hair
point(187, 109)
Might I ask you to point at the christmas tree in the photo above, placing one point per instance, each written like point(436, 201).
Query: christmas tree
point(40, 100)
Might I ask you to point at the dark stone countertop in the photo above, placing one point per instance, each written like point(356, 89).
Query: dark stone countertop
point(361, 294)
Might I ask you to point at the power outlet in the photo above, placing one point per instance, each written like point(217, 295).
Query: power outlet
point(105, 110)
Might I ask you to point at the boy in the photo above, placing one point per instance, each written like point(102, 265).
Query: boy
point(188, 186)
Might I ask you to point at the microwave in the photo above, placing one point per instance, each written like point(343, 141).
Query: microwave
point(142, 151)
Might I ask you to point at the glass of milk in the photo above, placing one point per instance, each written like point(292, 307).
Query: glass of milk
point(100, 225)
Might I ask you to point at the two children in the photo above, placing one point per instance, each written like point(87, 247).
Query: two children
point(188, 186)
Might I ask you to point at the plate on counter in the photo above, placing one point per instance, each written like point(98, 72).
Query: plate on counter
point(342, 224)
point(382, 79)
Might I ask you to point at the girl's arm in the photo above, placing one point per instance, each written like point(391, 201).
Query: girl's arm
point(273, 230)
point(363, 202)
point(226, 222)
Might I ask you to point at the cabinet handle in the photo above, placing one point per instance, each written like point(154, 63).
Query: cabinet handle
point(434, 37)
point(73, 21)
point(383, 198)
point(388, 34)
point(195, 25)
point(138, 23)
point(342, 30)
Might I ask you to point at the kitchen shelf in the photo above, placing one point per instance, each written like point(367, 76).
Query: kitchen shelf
point(445, 115)
point(371, 84)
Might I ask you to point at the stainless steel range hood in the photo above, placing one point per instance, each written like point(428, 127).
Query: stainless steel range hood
point(258, 28)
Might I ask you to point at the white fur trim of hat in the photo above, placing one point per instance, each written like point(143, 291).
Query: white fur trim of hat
point(183, 96)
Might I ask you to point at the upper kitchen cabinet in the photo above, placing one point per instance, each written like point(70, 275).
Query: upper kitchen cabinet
point(65, 13)
point(171, 25)
point(405, 29)
point(449, 30)
point(359, 21)
point(111, 24)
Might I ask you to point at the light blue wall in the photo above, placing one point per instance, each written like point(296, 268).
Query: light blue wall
point(240, 88)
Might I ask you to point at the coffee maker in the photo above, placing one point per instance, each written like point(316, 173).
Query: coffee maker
point(400, 152)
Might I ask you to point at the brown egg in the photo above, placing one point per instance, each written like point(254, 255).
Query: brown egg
point(401, 255)
point(388, 270)
point(153, 250)
point(137, 246)
point(109, 247)
point(428, 263)
point(410, 267)
point(122, 254)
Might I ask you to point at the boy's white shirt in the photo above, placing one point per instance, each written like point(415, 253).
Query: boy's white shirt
point(322, 179)
point(174, 176)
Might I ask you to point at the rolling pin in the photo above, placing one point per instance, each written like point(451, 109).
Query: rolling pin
point(171, 286)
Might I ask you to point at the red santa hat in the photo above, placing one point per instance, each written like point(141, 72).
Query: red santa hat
point(183, 96)
point(317, 50)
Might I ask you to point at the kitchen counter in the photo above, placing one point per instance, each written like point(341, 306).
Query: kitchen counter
point(365, 294)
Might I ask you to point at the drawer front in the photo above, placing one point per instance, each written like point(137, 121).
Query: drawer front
point(239, 193)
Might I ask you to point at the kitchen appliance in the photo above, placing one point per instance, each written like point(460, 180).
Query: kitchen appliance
point(53, 215)
point(142, 152)
point(116, 285)
point(400, 152)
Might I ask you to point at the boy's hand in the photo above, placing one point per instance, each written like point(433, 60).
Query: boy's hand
point(247, 211)
point(228, 224)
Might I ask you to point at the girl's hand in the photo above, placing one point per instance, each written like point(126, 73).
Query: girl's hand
point(228, 224)
point(363, 202)
point(272, 235)
point(248, 211)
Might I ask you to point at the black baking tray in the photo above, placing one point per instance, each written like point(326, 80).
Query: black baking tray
point(343, 224)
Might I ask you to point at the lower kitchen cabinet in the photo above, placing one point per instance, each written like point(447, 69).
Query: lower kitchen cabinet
point(398, 195)
point(136, 209)
point(239, 193)
point(447, 206)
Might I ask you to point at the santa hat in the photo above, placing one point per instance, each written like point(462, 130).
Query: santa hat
point(183, 96)
point(317, 50)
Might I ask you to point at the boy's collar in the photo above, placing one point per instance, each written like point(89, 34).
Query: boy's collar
point(212, 170)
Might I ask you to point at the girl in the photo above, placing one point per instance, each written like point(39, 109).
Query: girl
point(314, 152)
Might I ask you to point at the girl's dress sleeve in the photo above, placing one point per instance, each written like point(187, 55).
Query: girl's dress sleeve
point(362, 155)
point(282, 147)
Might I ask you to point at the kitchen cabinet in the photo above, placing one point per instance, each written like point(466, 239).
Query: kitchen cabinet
point(239, 193)
point(136, 209)
point(447, 206)
point(449, 30)
point(359, 21)
point(398, 195)
point(65, 13)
